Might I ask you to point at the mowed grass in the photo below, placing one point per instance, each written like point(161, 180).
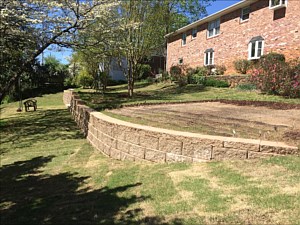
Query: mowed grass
point(116, 96)
point(51, 175)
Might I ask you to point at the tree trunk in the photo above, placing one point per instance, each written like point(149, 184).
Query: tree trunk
point(130, 80)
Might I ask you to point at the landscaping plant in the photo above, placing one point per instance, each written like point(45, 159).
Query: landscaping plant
point(177, 74)
point(275, 76)
point(242, 65)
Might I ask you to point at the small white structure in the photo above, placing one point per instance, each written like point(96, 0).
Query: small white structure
point(116, 72)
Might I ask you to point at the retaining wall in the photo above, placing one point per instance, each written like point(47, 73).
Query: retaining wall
point(123, 140)
point(232, 80)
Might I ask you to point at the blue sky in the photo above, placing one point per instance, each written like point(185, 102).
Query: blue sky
point(215, 6)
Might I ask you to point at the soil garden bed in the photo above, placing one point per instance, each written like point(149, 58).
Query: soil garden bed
point(271, 121)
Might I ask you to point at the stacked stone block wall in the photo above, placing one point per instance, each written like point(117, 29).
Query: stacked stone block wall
point(126, 141)
point(232, 80)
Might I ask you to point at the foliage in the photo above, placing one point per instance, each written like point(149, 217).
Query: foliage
point(84, 79)
point(274, 76)
point(220, 69)
point(242, 65)
point(246, 87)
point(197, 75)
point(273, 56)
point(29, 27)
point(210, 69)
point(216, 83)
point(175, 70)
point(144, 71)
point(177, 75)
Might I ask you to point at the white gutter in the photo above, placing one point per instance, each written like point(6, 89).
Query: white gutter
point(212, 17)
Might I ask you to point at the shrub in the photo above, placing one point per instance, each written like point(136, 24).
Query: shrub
point(175, 70)
point(220, 69)
point(198, 79)
point(144, 71)
point(242, 65)
point(275, 76)
point(210, 69)
point(196, 75)
point(84, 79)
point(178, 75)
point(216, 83)
point(273, 56)
point(246, 87)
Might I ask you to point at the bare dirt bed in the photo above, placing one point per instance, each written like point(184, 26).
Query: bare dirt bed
point(272, 121)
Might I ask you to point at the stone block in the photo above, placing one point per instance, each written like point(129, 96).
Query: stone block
point(123, 146)
point(197, 150)
point(120, 132)
point(242, 145)
point(284, 150)
point(155, 156)
point(199, 160)
point(259, 155)
point(132, 136)
point(203, 152)
point(149, 141)
point(109, 141)
point(125, 156)
point(115, 153)
point(106, 149)
point(177, 158)
point(225, 153)
point(170, 145)
point(100, 145)
point(137, 151)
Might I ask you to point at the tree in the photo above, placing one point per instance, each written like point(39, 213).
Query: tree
point(28, 27)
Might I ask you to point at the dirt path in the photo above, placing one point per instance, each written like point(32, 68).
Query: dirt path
point(215, 118)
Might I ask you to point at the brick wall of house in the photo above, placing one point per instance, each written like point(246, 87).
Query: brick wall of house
point(280, 30)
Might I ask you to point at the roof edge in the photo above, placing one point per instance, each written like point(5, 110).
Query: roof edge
point(215, 15)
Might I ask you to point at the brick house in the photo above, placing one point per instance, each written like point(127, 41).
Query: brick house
point(245, 30)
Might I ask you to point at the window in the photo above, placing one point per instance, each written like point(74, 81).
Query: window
point(209, 57)
point(276, 4)
point(194, 33)
point(180, 61)
point(183, 41)
point(213, 28)
point(245, 14)
point(256, 48)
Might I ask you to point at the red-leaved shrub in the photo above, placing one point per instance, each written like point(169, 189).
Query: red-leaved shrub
point(275, 76)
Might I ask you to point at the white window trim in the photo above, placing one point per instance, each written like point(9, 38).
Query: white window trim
point(256, 49)
point(214, 29)
point(280, 5)
point(194, 29)
point(184, 34)
point(213, 58)
point(241, 19)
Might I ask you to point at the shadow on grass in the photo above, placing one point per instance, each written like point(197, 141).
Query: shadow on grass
point(29, 197)
point(42, 125)
point(114, 100)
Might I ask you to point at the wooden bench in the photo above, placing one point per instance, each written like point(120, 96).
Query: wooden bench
point(30, 103)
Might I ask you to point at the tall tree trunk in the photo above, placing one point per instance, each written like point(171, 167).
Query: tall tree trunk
point(130, 80)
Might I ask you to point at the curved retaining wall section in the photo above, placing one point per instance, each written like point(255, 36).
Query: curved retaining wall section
point(123, 140)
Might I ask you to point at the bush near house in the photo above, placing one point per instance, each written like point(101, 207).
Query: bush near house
point(178, 75)
point(220, 70)
point(242, 65)
point(216, 83)
point(271, 74)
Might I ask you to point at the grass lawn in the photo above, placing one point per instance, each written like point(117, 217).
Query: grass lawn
point(116, 96)
point(51, 175)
